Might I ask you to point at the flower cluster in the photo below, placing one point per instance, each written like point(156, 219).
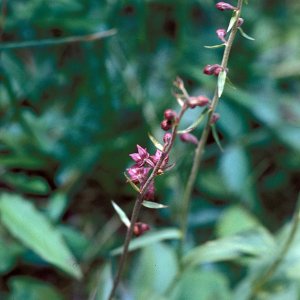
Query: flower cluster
point(144, 162)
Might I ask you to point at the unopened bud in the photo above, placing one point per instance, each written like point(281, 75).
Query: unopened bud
point(212, 69)
point(170, 114)
point(221, 33)
point(139, 228)
point(197, 101)
point(240, 22)
point(214, 118)
point(225, 6)
point(167, 138)
point(166, 125)
point(188, 138)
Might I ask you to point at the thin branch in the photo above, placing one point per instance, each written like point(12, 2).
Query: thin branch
point(59, 41)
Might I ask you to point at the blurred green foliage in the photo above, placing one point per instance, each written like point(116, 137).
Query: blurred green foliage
point(71, 114)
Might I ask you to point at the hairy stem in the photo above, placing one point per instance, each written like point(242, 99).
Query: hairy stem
point(198, 157)
point(276, 263)
point(138, 204)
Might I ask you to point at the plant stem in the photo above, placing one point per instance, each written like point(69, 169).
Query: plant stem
point(198, 157)
point(274, 266)
point(139, 202)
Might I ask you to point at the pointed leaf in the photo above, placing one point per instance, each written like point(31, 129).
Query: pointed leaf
point(195, 124)
point(215, 46)
point(232, 21)
point(216, 136)
point(150, 204)
point(135, 187)
point(34, 230)
point(121, 214)
point(221, 82)
point(245, 35)
point(150, 238)
point(155, 142)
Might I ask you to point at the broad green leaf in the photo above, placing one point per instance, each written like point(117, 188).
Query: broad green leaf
point(155, 142)
point(235, 219)
point(150, 238)
point(215, 46)
point(202, 285)
point(25, 287)
point(245, 35)
point(154, 271)
point(195, 124)
point(254, 243)
point(150, 204)
point(216, 136)
point(232, 21)
point(134, 186)
point(57, 205)
point(33, 229)
point(121, 214)
point(221, 82)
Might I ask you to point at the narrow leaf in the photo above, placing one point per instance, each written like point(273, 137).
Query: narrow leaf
point(221, 82)
point(245, 35)
point(34, 230)
point(195, 124)
point(215, 46)
point(121, 214)
point(150, 238)
point(154, 205)
point(155, 142)
point(216, 136)
point(232, 21)
point(135, 187)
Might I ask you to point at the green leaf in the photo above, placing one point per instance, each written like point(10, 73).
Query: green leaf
point(150, 204)
point(232, 21)
point(121, 214)
point(150, 238)
point(25, 287)
point(104, 284)
point(57, 205)
point(155, 142)
point(215, 46)
point(221, 82)
point(33, 229)
point(201, 285)
point(245, 35)
point(134, 186)
point(195, 124)
point(216, 136)
point(255, 243)
point(235, 219)
point(154, 271)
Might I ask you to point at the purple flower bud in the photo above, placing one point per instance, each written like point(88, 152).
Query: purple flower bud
point(197, 101)
point(212, 69)
point(221, 33)
point(166, 125)
point(139, 228)
point(170, 115)
point(167, 138)
point(240, 22)
point(225, 6)
point(141, 157)
point(189, 138)
point(214, 118)
point(155, 158)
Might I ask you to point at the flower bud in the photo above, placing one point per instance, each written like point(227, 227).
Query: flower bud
point(225, 6)
point(188, 138)
point(166, 125)
point(170, 114)
point(240, 22)
point(212, 69)
point(197, 101)
point(214, 118)
point(221, 33)
point(139, 228)
point(167, 138)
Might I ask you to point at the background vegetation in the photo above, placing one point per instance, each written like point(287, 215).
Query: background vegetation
point(71, 113)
